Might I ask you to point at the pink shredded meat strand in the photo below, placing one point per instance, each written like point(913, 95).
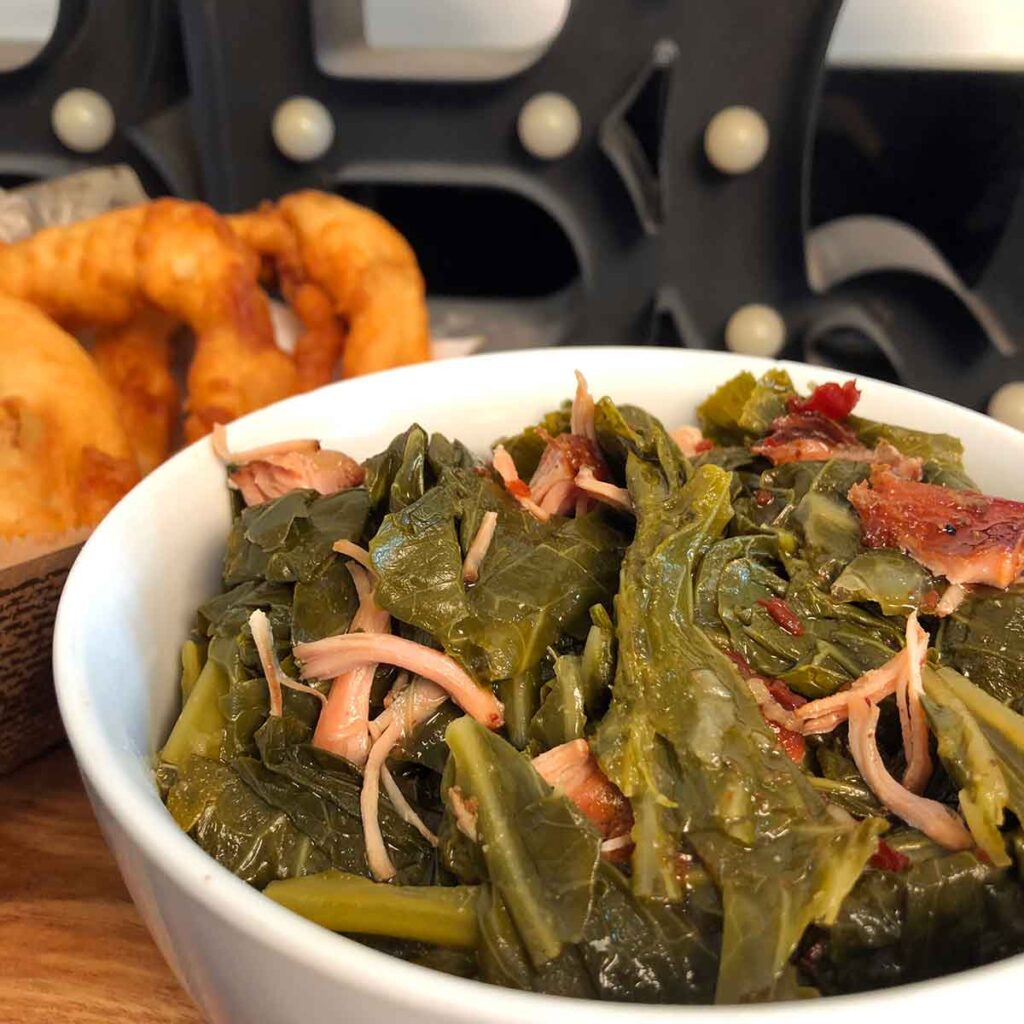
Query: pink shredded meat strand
point(953, 596)
point(465, 813)
point(813, 437)
point(352, 550)
point(263, 637)
point(332, 656)
point(326, 472)
point(607, 493)
point(935, 820)
point(572, 768)
point(505, 467)
point(479, 547)
point(913, 721)
point(553, 485)
point(423, 698)
point(219, 442)
point(690, 440)
point(824, 714)
point(343, 727)
point(581, 418)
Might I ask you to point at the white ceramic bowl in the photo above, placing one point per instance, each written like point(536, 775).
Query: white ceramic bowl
point(129, 601)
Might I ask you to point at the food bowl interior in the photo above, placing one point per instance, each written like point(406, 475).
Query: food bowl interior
point(131, 598)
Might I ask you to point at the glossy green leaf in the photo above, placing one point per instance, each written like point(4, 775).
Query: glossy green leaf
point(541, 854)
point(290, 538)
point(349, 903)
point(969, 758)
point(537, 582)
point(943, 449)
point(984, 640)
point(243, 832)
point(686, 742)
point(886, 577)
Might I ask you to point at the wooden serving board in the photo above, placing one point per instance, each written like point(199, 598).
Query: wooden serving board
point(72, 946)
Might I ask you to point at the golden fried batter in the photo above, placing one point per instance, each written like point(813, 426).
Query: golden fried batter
point(135, 360)
point(182, 258)
point(371, 274)
point(318, 349)
point(333, 260)
point(64, 455)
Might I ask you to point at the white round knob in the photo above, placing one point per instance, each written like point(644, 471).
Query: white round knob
point(83, 120)
point(1007, 404)
point(755, 330)
point(549, 126)
point(736, 140)
point(303, 129)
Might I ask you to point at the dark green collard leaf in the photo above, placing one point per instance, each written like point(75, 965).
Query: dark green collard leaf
point(886, 577)
point(396, 476)
point(684, 739)
point(839, 641)
point(562, 716)
point(237, 603)
point(731, 457)
point(324, 605)
point(840, 783)
point(948, 912)
point(753, 552)
point(719, 414)
point(984, 640)
point(831, 533)
point(443, 454)
point(246, 706)
point(743, 408)
point(290, 538)
point(981, 743)
point(765, 403)
point(536, 583)
point(225, 620)
point(969, 759)
point(521, 696)
point(579, 690)
point(631, 950)
point(950, 476)
point(426, 746)
point(804, 505)
point(239, 829)
point(320, 794)
point(541, 855)
point(626, 429)
point(943, 449)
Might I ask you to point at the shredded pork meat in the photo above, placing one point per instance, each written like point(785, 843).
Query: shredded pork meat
point(335, 655)
point(935, 820)
point(355, 552)
point(263, 638)
point(573, 769)
point(605, 492)
point(262, 474)
point(343, 728)
point(962, 535)
point(913, 721)
point(691, 441)
point(478, 548)
point(418, 702)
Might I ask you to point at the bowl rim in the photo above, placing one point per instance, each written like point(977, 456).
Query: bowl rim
point(344, 961)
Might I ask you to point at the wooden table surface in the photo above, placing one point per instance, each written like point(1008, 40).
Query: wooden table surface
point(73, 949)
